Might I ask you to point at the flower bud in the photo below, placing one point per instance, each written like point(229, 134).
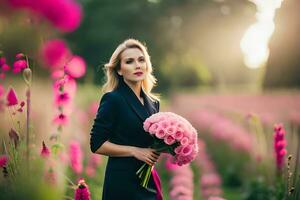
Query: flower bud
point(27, 75)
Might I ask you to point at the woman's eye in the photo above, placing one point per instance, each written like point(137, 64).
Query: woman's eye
point(128, 61)
point(142, 60)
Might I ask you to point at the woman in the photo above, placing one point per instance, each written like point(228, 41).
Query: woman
point(118, 131)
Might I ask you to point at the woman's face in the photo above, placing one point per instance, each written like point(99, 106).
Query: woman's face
point(133, 65)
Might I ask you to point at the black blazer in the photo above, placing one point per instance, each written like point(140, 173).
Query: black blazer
point(120, 120)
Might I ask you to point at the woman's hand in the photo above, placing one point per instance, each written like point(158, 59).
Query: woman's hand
point(148, 155)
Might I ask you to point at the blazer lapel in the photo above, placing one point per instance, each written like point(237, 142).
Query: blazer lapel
point(149, 104)
point(132, 100)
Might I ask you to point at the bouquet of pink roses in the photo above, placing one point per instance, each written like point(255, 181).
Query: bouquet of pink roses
point(172, 134)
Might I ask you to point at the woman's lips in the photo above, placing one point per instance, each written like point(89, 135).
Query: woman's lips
point(138, 73)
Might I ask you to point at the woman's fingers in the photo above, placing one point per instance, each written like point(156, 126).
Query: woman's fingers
point(149, 161)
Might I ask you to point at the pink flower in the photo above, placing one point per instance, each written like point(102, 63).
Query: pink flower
point(82, 192)
point(184, 141)
point(178, 149)
point(169, 164)
point(64, 15)
point(45, 152)
point(55, 53)
point(11, 97)
point(146, 125)
point(76, 67)
point(279, 145)
point(171, 131)
point(20, 56)
point(21, 3)
point(2, 61)
point(160, 133)
point(153, 129)
point(186, 150)
point(93, 108)
point(58, 73)
point(75, 155)
point(93, 162)
point(68, 83)
point(164, 124)
point(19, 65)
point(5, 67)
point(61, 119)
point(178, 134)
point(169, 140)
point(62, 99)
point(90, 171)
point(3, 160)
point(22, 104)
point(211, 179)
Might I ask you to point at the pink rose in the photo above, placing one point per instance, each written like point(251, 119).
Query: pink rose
point(147, 125)
point(178, 135)
point(184, 141)
point(186, 150)
point(171, 131)
point(160, 133)
point(153, 128)
point(169, 140)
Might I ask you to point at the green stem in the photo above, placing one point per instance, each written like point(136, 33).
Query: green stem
point(147, 176)
point(141, 168)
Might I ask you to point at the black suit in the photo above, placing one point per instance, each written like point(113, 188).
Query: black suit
point(120, 120)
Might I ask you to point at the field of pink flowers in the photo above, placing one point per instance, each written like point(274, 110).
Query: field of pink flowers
point(248, 144)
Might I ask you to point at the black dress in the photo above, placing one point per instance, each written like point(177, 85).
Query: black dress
point(120, 120)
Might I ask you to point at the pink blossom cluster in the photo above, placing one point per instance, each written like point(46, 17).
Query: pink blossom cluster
point(4, 67)
point(210, 181)
point(75, 156)
point(45, 152)
point(279, 145)
point(59, 59)
point(65, 15)
point(223, 129)
point(3, 160)
point(174, 129)
point(94, 161)
point(64, 91)
point(65, 68)
point(181, 183)
point(82, 191)
point(210, 185)
point(20, 63)
point(12, 101)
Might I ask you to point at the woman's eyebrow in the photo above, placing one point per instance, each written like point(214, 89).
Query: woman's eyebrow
point(128, 58)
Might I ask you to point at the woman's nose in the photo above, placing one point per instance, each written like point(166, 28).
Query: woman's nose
point(137, 65)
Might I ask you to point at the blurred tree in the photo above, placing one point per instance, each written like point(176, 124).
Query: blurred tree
point(205, 32)
point(283, 67)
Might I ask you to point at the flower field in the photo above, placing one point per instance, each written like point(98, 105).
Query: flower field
point(248, 142)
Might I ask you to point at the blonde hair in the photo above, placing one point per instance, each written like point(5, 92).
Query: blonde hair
point(114, 64)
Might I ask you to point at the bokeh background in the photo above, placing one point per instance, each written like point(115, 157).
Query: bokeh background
point(231, 67)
